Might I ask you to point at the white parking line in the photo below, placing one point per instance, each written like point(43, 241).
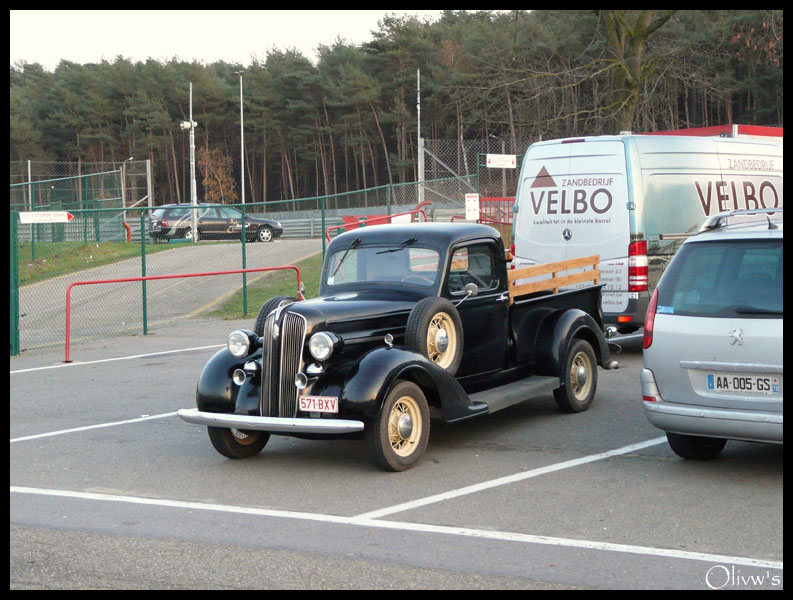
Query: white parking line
point(87, 427)
point(486, 485)
point(103, 360)
point(418, 527)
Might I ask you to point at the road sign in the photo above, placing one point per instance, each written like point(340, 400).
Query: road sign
point(501, 161)
point(27, 218)
point(472, 207)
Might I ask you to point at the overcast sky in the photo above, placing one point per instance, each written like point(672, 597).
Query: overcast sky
point(234, 36)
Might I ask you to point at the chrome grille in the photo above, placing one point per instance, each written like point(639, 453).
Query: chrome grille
point(293, 337)
point(268, 399)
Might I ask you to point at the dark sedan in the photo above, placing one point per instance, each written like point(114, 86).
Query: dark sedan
point(213, 222)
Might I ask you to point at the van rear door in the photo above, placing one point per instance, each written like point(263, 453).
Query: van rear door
point(573, 202)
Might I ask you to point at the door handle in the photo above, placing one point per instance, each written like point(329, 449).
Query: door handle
point(503, 297)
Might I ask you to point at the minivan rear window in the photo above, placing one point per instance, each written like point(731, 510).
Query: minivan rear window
point(724, 279)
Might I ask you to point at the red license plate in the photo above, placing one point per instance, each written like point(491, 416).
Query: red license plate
point(323, 404)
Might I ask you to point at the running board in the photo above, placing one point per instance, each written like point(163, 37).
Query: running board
point(513, 393)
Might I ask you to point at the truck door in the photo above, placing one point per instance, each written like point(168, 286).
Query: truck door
point(485, 316)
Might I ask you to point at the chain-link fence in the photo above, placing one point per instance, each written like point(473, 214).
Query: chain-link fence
point(464, 158)
point(109, 244)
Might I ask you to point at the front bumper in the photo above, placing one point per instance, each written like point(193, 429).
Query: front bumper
point(270, 424)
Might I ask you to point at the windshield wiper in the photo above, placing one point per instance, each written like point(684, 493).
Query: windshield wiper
point(753, 310)
point(346, 252)
point(400, 246)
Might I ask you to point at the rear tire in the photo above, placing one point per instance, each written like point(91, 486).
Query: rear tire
point(579, 378)
point(237, 443)
point(694, 447)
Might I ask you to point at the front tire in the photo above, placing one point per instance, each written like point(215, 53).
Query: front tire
point(579, 378)
point(693, 447)
point(264, 234)
point(237, 443)
point(400, 434)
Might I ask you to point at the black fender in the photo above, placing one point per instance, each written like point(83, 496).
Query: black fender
point(216, 392)
point(557, 333)
point(363, 386)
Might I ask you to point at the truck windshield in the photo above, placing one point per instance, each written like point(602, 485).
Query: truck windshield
point(395, 263)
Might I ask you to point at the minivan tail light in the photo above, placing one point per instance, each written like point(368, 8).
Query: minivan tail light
point(649, 321)
point(638, 276)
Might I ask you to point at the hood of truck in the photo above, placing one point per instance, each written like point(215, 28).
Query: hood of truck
point(357, 310)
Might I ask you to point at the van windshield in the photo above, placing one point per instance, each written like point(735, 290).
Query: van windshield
point(724, 279)
point(396, 263)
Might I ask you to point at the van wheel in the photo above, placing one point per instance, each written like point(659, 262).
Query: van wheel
point(579, 378)
point(693, 447)
point(434, 330)
point(236, 443)
point(266, 309)
point(401, 431)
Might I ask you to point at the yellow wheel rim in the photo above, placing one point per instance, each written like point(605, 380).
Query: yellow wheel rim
point(441, 340)
point(404, 426)
point(581, 375)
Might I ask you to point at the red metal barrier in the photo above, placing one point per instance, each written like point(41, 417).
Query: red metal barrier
point(497, 212)
point(385, 218)
point(155, 277)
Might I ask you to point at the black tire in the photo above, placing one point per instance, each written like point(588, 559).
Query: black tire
point(264, 234)
point(267, 307)
point(398, 443)
point(693, 447)
point(430, 318)
point(188, 234)
point(579, 378)
point(237, 443)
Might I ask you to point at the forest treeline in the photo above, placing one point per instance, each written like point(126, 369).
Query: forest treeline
point(346, 119)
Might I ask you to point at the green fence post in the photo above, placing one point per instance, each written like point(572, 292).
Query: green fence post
point(388, 201)
point(32, 230)
point(143, 268)
point(322, 233)
point(14, 268)
point(244, 275)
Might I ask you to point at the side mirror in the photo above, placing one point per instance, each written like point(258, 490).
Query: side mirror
point(302, 289)
point(471, 290)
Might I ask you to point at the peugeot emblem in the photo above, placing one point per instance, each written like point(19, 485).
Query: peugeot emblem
point(567, 234)
point(736, 337)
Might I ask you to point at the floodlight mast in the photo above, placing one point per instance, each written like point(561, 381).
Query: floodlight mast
point(242, 144)
point(193, 199)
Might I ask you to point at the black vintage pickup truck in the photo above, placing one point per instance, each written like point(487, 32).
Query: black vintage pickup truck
point(412, 323)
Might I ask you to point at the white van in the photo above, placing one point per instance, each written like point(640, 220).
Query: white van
point(632, 199)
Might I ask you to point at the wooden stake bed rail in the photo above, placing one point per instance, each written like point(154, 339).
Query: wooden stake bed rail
point(554, 282)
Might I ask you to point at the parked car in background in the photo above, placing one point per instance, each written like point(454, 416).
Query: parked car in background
point(713, 337)
point(213, 222)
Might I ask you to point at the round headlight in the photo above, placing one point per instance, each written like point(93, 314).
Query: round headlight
point(239, 343)
point(320, 345)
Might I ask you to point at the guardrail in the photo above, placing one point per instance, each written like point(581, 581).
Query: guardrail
point(156, 277)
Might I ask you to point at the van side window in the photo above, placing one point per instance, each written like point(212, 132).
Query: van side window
point(473, 264)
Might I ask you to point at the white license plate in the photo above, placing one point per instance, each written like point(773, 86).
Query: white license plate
point(323, 404)
point(744, 384)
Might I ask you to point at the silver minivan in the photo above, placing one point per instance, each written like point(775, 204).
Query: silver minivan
point(713, 337)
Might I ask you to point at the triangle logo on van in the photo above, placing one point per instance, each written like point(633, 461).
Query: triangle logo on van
point(543, 179)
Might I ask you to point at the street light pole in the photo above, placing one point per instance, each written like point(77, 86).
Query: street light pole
point(242, 144)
